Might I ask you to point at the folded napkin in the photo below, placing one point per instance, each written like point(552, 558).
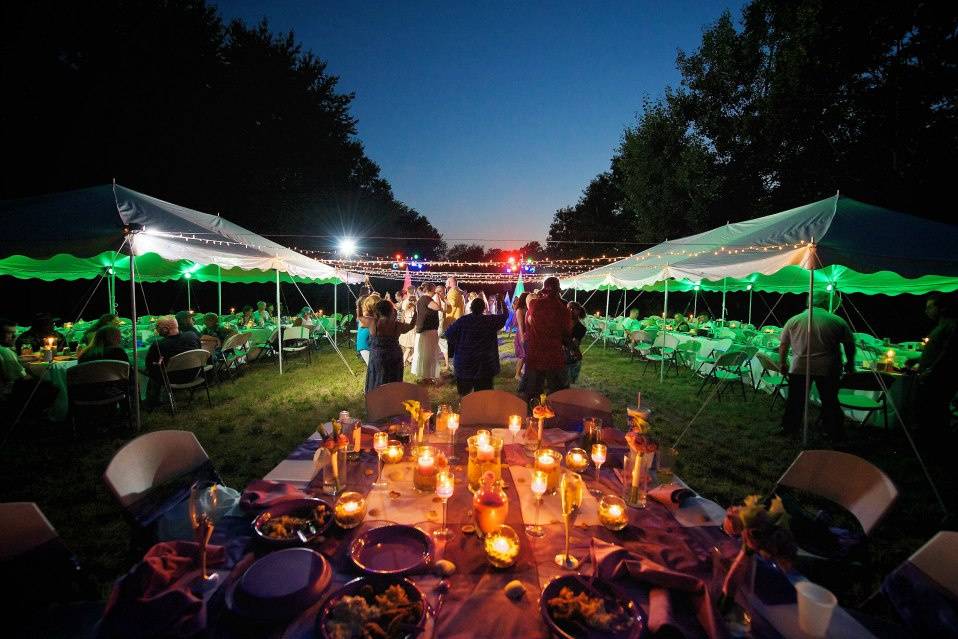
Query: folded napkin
point(155, 599)
point(671, 495)
point(263, 493)
point(614, 562)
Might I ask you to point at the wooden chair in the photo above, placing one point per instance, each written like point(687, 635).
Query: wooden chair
point(572, 405)
point(99, 384)
point(386, 401)
point(490, 408)
point(189, 371)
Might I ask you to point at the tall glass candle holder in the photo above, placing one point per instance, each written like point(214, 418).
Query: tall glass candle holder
point(485, 455)
point(549, 461)
point(445, 486)
point(452, 425)
point(380, 443)
point(599, 453)
point(515, 425)
point(428, 461)
point(538, 487)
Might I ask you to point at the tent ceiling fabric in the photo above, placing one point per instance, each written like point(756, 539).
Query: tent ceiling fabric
point(76, 235)
point(858, 248)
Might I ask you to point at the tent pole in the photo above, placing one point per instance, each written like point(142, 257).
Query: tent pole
point(335, 311)
point(111, 291)
point(606, 331)
point(625, 302)
point(135, 370)
point(723, 298)
point(575, 297)
point(279, 326)
point(189, 299)
point(665, 314)
point(831, 293)
point(219, 290)
point(749, 304)
point(695, 302)
point(808, 348)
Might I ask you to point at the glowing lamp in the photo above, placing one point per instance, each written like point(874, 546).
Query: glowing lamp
point(347, 246)
point(748, 288)
point(188, 275)
point(829, 288)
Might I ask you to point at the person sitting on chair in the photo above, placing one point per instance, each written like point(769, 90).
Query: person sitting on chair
point(105, 345)
point(630, 323)
point(16, 389)
point(262, 317)
point(36, 336)
point(184, 320)
point(171, 342)
point(212, 327)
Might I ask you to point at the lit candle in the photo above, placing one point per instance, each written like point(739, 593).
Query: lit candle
point(380, 442)
point(515, 424)
point(502, 547)
point(599, 453)
point(550, 462)
point(890, 354)
point(350, 510)
point(612, 512)
point(357, 437)
point(393, 453)
point(232, 309)
point(546, 462)
point(576, 460)
point(445, 484)
point(482, 437)
point(539, 483)
point(452, 422)
point(427, 465)
point(485, 452)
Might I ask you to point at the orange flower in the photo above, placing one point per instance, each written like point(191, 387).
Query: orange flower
point(542, 412)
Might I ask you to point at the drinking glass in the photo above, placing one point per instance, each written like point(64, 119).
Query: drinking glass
point(453, 425)
point(380, 442)
point(515, 425)
point(445, 485)
point(539, 482)
point(202, 510)
point(571, 488)
point(599, 452)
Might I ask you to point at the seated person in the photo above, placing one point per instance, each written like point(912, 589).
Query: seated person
point(184, 319)
point(16, 389)
point(171, 342)
point(105, 320)
point(212, 327)
point(246, 317)
point(105, 345)
point(38, 333)
point(632, 323)
point(261, 316)
point(307, 318)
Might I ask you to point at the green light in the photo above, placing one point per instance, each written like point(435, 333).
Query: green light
point(187, 275)
point(416, 256)
point(829, 288)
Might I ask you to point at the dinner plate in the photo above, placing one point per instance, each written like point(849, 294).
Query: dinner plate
point(294, 508)
point(280, 585)
point(614, 598)
point(379, 583)
point(392, 550)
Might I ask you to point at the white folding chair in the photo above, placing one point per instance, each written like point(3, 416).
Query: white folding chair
point(98, 383)
point(490, 408)
point(23, 527)
point(296, 340)
point(386, 401)
point(234, 353)
point(192, 367)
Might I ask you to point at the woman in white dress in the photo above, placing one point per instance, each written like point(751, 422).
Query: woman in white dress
point(407, 312)
point(426, 356)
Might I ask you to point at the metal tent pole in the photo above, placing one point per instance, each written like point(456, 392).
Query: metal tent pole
point(695, 301)
point(135, 371)
point(219, 290)
point(279, 327)
point(605, 331)
point(189, 299)
point(665, 325)
point(625, 302)
point(749, 303)
point(335, 311)
point(575, 296)
point(808, 349)
point(831, 293)
point(723, 298)
point(111, 290)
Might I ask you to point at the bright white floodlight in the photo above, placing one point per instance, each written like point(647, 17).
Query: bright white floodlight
point(347, 246)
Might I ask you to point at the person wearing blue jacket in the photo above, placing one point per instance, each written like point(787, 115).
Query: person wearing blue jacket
point(474, 346)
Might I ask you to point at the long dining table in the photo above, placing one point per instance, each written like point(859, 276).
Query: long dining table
point(691, 543)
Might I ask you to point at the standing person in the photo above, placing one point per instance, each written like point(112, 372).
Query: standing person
point(385, 354)
point(937, 380)
point(425, 359)
point(407, 314)
point(573, 348)
point(474, 344)
point(519, 341)
point(548, 328)
point(365, 309)
point(455, 308)
point(828, 337)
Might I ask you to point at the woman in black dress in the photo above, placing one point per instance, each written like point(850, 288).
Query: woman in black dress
point(385, 353)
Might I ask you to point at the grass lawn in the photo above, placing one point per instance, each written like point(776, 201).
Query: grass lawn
point(731, 450)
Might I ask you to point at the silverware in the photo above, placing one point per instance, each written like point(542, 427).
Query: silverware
point(442, 588)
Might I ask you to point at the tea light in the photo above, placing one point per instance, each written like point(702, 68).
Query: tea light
point(502, 547)
point(612, 512)
point(429, 460)
point(445, 484)
point(69, 325)
point(393, 453)
point(482, 437)
point(51, 342)
point(576, 460)
point(380, 442)
point(539, 483)
point(452, 423)
point(549, 462)
point(350, 510)
point(515, 425)
point(232, 310)
point(599, 452)
point(485, 452)
point(890, 354)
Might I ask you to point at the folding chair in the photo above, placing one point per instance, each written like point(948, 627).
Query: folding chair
point(667, 342)
point(264, 349)
point(639, 343)
point(386, 401)
point(728, 370)
point(102, 383)
point(296, 340)
point(874, 382)
point(189, 371)
point(490, 408)
point(234, 354)
point(772, 375)
point(685, 355)
point(923, 590)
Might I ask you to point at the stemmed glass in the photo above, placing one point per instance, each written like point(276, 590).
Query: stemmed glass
point(598, 458)
point(445, 485)
point(202, 508)
point(380, 443)
point(571, 488)
point(515, 425)
point(453, 425)
point(539, 483)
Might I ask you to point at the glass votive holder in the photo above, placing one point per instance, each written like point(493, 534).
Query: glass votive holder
point(502, 546)
point(350, 510)
point(428, 461)
point(612, 512)
point(394, 452)
point(549, 461)
point(485, 455)
point(666, 458)
point(576, 460)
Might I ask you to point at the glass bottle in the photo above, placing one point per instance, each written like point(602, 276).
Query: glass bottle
point(490, 505)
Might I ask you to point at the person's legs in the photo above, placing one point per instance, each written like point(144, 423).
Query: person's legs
point(833, 419)
point(558, 379)
point(483, 383)
point(465, 385)
point(573, 371)
point(794, 403)
point(533, 383)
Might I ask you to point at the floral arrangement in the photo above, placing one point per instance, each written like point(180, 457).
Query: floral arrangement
point(637, 421)
point(763, 530)
point(334, 439)
point(542, 411)
point(418, 415)
point(641, 443)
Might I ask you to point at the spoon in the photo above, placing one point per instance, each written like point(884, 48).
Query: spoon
point(442, 588)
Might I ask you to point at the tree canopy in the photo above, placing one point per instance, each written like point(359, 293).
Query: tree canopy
point(799, 100)
point(170, 100)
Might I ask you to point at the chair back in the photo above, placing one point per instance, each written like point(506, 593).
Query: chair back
point(731, 361)
point(149, 461)
point(187, 361)
point(768, 363)
point(209, 343)
point(874, 381)
point(23, 527)
point(938, 559)
point(490, 408)
point(691, 346)
point(724, 333)
point(295, 334)
point(638, 337)
point(236, 341)
point(572, 405)
point(98, 372)
point(858, 486)
point(386, 401)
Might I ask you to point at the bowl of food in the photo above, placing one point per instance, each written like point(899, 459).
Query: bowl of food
point(295, 521)
point(577, 608)
point(381, 606)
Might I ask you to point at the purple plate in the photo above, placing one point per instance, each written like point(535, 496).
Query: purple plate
point(629, 628)
point(294, 508)
point(392, 550)
point(379, 584)
point(280, 585)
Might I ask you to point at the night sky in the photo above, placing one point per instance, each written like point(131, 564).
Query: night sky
point(488, 118)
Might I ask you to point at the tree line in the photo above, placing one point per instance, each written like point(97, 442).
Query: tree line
point(798, 101)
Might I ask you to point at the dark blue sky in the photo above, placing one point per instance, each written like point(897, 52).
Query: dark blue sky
point(487, 117)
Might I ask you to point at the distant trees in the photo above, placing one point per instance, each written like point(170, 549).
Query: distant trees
point(168, 99)
point(804, 99)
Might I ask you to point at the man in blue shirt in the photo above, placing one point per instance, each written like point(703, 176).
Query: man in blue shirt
point(474, 346)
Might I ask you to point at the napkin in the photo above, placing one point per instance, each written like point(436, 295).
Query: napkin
point(614, 562)
point(263, 493)
point(689, 509)
point(298, 472)
point(156, 598)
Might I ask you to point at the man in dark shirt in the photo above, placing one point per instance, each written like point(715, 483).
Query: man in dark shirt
point(171, 342)
point(40, 330)
point(474, 346)
point(937, 377)
point(548, 329)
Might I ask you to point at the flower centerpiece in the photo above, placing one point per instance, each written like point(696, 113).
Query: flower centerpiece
point(638, 469)
point(542, 412)
point(764, 531)
point(419, 416)
point(336, 445)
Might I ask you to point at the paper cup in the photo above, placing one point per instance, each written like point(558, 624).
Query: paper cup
point(815, 608)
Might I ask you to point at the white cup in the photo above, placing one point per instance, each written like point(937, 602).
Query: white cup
point(815, 608)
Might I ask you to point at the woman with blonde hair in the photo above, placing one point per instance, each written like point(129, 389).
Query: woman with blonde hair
point(426, 355)
point(407, 314)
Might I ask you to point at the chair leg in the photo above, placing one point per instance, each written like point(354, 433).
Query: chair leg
point(206, 385)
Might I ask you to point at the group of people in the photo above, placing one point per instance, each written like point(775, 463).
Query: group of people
point(436, 323)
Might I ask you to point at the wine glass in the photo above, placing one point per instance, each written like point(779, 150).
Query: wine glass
point(571, 488)
point(452, 424)
point(540, 482)
point(204, 496)
point(599, 452)
point(445, 485)
point(515, 425)
point(380, 443)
